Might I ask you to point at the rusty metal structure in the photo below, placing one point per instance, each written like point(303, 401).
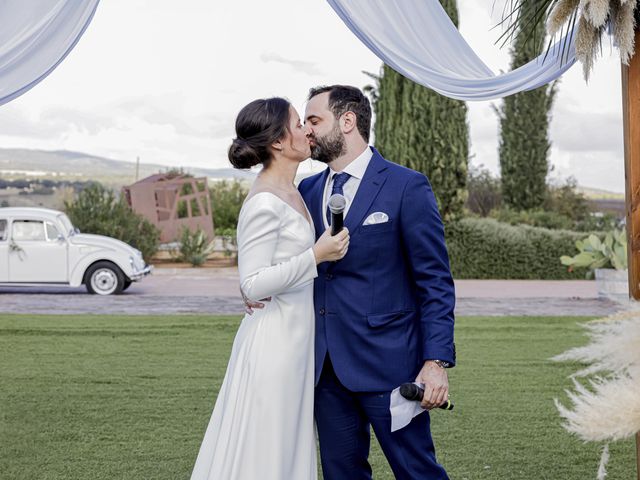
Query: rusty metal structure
point(171, 202)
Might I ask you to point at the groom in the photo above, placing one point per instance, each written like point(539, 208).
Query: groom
point(384, 313)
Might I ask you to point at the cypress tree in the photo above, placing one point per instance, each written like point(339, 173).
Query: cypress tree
point(425, 131)
point(524, 123)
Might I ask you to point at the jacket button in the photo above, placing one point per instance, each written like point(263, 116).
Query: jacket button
point(328, 276)
point(322, 311)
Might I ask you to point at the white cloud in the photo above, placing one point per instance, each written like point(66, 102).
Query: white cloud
point(309, 68)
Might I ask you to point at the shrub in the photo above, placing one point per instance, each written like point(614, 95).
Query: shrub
point(599, 222)
point(564, 208)
point(229, 241)
point(487, 249)
point(97, 210)
point(484, 191)
point(534, 218)
point(566, 200)
point(195, 247)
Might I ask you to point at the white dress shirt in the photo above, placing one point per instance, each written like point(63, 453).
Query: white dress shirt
point(356, 171)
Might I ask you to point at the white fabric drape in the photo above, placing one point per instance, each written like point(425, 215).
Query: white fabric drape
point(35, 36)
point(418, 39)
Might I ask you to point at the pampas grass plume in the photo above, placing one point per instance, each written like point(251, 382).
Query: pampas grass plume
point(560, 15)
point(596, 11)
point(614, 346)
point(623, 26)
point(592, 17)
point(608, 408)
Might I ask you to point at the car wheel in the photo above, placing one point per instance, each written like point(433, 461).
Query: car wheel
point(127, 284)
point(104, 278)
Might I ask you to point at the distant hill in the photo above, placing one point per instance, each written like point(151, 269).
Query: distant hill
point(599, 194)
point(63, 164)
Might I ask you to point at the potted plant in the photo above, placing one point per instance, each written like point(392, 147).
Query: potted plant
point(607, 258)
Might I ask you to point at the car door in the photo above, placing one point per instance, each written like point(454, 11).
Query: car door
point(4, 250)
point(37, 252)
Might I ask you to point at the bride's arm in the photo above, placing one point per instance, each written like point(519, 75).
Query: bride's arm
point(258, 231)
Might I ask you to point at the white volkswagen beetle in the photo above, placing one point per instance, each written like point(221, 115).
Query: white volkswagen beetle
point(38, 245)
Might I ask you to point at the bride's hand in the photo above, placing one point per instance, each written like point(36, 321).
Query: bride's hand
point(330, 249)
point(250, 305)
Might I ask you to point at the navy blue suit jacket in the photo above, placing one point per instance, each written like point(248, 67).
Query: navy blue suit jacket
point(387, 306)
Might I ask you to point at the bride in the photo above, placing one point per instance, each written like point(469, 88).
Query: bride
point(262, 423)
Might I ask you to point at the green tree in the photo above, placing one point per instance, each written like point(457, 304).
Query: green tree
point(565, 199)
point(226, 201)
point(425, 131)
point(97, 210)
point(484, 191)
point(524, 122)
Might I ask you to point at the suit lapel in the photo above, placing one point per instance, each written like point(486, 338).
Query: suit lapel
point(370, 185)
point(314, 202)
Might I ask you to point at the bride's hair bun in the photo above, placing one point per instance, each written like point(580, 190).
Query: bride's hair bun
point(242, 154)
point(258, 126)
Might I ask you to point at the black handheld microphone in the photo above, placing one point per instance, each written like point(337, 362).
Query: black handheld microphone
point(411, 391)
point(337, 204)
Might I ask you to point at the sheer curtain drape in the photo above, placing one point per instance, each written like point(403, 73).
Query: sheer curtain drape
point(35, 36)
point(418, 39)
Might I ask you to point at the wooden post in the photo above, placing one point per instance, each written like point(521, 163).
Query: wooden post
point(631, 117)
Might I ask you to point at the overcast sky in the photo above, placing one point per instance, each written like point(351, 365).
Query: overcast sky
point(164, 81)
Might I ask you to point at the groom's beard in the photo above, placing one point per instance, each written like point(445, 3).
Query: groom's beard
point(326, 149)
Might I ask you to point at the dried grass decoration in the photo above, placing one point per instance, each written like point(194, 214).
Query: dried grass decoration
point(613, 358)
point(591, 18)
point(586, 20)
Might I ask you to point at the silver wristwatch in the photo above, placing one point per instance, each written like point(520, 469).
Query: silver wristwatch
point(442, 363)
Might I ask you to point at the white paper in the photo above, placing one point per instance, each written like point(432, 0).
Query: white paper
point(403, 410)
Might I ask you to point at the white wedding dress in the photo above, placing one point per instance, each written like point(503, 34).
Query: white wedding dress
point(262, 424)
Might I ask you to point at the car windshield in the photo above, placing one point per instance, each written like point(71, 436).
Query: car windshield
point(66, 223)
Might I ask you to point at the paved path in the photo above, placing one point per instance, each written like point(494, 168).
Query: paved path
point(215, 291)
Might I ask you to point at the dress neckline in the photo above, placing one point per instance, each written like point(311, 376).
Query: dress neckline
point(308, 220)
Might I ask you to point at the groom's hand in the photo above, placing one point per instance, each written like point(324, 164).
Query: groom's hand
point(436, 384)
point(249, 304)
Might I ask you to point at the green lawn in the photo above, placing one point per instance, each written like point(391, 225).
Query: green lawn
point(106, 397)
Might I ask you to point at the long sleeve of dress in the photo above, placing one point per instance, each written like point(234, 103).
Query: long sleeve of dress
point(258, 231)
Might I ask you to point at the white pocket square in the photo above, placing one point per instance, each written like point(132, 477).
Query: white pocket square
point(376, 217)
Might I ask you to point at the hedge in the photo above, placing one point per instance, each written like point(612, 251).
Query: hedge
point(483, 248)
